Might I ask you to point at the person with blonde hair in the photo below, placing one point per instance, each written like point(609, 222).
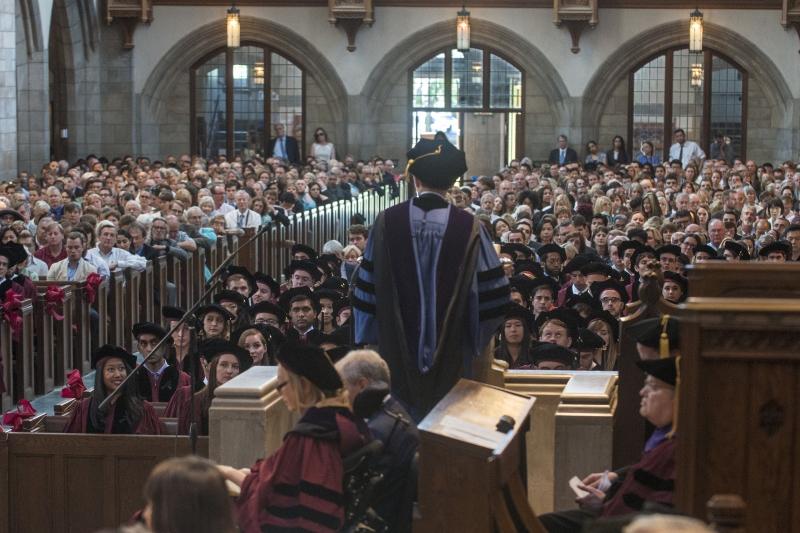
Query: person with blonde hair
point(306, 473)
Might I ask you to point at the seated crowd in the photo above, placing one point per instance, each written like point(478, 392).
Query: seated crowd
point(573, 240)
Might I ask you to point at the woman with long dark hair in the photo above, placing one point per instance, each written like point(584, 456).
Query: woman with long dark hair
point(515, 338)
point(224, 361)
point(618, 154)
point(126, 413)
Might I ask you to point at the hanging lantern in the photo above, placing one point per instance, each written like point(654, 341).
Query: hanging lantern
point(233, 27)
point(697, 75)
point(462, 30)
point(696, 31)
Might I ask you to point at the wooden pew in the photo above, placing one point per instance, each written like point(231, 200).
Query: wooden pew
point(571, 429)
point(76, 326)
point(199, 274)
point(53, 339)
point(147, 289)
point(18, 358)
point(115, 321)
point(60, 483)
point(160, 274)
point(174, 268)
point(131, 306)
point(187, 273)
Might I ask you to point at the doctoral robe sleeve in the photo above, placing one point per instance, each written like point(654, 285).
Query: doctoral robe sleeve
point(178, 407)
point(364, 302)
point(489, 295)
point(298, 488)
point(149, 424)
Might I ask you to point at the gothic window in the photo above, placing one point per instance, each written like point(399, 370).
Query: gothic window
point(664, 96)
point(239, 95)
point(453, 83)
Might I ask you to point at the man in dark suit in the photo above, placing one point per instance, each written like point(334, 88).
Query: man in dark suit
point(563, 155)
point(284, 146)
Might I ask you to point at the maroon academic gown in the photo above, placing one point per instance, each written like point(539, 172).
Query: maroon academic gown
point(299, 487)
point(652, 479)
point(149, 424)
point(180, 406)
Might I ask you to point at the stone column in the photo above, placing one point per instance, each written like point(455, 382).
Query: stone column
point(247, 419)
point(8, 91)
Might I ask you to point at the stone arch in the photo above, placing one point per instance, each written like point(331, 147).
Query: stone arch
point(654, 40)
point(411, 51)
point(163, 80)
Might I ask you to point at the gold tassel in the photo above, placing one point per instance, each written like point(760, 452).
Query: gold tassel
point(663, 343)
point(675, 401)
point(412, 161)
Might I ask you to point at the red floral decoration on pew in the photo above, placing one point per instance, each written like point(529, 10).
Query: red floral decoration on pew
point(15, 418)
point(93, 281)
point(12, 312)
point(74, 387)
point(53, 301)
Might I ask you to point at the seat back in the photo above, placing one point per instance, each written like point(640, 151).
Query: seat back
point(360, 479)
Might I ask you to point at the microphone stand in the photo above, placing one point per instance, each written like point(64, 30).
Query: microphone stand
point(212, 284)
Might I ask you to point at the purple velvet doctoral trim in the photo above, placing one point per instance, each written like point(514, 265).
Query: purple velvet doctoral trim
point(401, 254)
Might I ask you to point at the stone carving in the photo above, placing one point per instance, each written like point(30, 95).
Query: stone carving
point(350, 15)
point(790, 15)
point(576, 15)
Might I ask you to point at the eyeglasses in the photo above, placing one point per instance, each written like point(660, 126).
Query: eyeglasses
point(280, 386)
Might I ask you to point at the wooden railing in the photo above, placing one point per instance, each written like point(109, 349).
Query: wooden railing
point(38, 359)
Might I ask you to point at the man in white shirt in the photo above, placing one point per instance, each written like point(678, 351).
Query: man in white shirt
point(113, 257)
point(686, 151)
point(242, 217)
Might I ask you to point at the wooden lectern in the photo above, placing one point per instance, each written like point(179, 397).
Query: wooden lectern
point(470, 472)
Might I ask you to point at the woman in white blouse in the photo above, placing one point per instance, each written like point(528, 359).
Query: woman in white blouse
point(322, 149)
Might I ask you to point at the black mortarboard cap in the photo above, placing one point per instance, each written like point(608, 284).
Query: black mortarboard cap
point(213, 308)
point(598, 287)
point(229, 296)
point(267, 307)
point(665, 369)
point(548, 351)
point(148, 327)
point(436, 162)
point(305, 249)
point(269, 281)
point(312, 363)
point(551, 248)
point(648, 332)
point(588, 340)
point(777, 246)
point(216, 347)
point(14, 252)
point(172, 313)
point(737, 249)
point(109, 350)
point(305, 266)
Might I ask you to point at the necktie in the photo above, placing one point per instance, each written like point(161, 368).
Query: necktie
point(563, 157)
point(283, 147)
point(680, 155)
point(241, 220)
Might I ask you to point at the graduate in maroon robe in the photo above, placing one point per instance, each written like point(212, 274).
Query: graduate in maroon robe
point(300, 486)
point(157, 380)
point(225, 361)
point(127, 413)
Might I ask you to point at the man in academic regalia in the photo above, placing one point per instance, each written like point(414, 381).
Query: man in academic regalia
point(158, 380)
point(430, 291)
point(615, 496)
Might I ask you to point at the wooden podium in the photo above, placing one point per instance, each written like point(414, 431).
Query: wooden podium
point(738, 418)
point(470, 473)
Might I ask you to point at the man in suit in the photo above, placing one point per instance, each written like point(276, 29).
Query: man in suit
point(563, 155)
point(74, 267)
point(284, 146)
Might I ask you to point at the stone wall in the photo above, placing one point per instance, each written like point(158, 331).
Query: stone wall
point(8, 91)
point(33, 110)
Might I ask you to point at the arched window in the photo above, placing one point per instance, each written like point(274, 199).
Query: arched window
point(475, 96)
point(663, 98)
point(230, 113)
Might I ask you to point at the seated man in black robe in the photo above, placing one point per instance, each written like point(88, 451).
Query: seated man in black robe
point(367, 380)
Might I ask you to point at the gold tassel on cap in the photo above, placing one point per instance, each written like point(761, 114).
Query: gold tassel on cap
point(663, 343)
point(675, 401)
point(412, 161)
